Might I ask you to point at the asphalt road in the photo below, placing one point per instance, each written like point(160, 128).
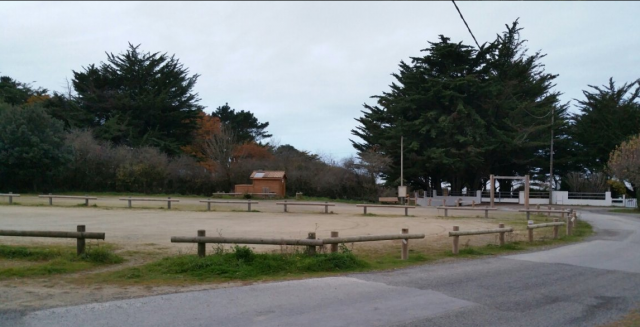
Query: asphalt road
point(584, 284)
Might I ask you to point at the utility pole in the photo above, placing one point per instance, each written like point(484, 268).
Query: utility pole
point(551, 159)
point(401, 167)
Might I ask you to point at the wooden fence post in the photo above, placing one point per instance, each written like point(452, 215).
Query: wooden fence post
point(538, 207)
point(501, 238)
point(249, 205)
point(456, 240)
point(202, 247)
point(575, 220)
point(10, 198)
point(50, 199)
point(209, 204)
point(311, 250)
point(334, 247)
point(86, 200)
point(530, 234)
point(405, 245)
point(326, 207)
point(444, 202)
point(285, 205)
point(129, 202)
point(569, 226)
point(80, 240)
point(549, 213)
point(169, 203)
point(473, 203)
point(555, 229)
point(429, 202)
point(406, 211)
point(458, 203)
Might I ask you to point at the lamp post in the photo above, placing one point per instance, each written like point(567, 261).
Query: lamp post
point(551, 159)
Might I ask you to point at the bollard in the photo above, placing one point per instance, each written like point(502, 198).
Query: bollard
point(169, 203)
point(50, 200)
point(209, 204)
point(80, 241)
point(405, 245)
point(311, 250)
point(202, 247)
point(334, 247)
point(501, 238)
point(248, 205)
point(555, 229)
point(456, 240)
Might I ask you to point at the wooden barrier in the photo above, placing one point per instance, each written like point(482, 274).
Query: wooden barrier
point(51, 197)
point(10, 195)
point(80, 235)
point(326, 205)
point(248, 203)
point(456, 233)
point(485, 209)
point(310, 242)
point(167, 200)
point(555, 224)
point(388, 199)
point(406, 208)
point(548, 211)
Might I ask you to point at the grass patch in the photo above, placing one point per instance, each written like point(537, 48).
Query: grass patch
point(44, 261)
point(626, 210)
point(240, 263)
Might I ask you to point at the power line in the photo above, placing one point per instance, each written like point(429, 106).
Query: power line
point(465, 23)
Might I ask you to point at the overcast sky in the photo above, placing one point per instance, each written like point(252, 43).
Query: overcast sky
point(307, 67)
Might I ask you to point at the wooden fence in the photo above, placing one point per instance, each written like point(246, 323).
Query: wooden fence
point(457, 233)
point(80, 235)
point(555, 224)
point(310, 242)
point(11, 196)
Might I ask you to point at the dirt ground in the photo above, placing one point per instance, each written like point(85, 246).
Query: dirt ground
point(148, 228)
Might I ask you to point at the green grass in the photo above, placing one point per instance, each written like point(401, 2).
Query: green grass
point(241, 263)
point(626, 210)
point(20, 261)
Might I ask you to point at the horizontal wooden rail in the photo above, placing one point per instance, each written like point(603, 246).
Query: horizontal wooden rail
point(485, 209)
point(555, 224)
point(53, 234)
point(10, 195)
point(80, 235)
point(80, 197)
point(326, 205)
point(248, 203)
point(310, 242)
point(480, 232)
point(167, 200)
point(548, 211)
point(370, 238)
point(245, 240)
point(456, 233)
point(365, 206)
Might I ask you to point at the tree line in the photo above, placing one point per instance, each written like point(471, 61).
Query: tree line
point(134, 124)
point(466, 112)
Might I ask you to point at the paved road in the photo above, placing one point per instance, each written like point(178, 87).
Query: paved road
point(584, 284)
